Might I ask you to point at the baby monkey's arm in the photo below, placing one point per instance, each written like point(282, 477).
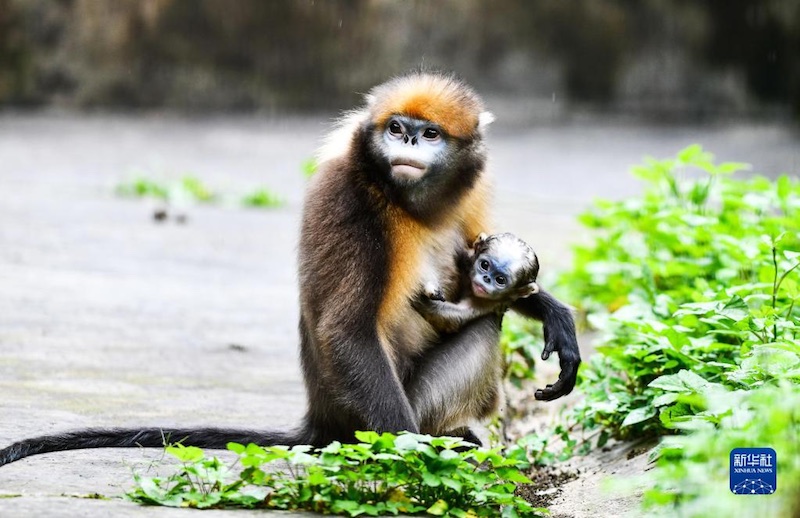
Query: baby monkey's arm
point(445, 316)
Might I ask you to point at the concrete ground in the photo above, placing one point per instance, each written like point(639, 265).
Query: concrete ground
point(109, 319)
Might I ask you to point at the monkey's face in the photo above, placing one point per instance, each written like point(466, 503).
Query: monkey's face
point(421, 142)
point(413, 147)
point(492, 277)
point(503, 270)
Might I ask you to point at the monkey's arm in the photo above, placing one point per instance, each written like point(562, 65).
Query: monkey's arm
point(369, 386)
point(448, 316)
point(559, 336)
point(352, 379)
point(357, 370)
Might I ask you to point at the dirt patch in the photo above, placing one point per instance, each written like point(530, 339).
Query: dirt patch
point(610, 482)
point(545, 485)
point(635, 452)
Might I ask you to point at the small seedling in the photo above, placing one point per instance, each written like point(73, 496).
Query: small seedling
point(309, 167)
point(262, 199)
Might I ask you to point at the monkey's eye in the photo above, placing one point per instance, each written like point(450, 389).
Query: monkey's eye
point(484, 265)
point(395, 128)
point(501, 280)
point(430, 134)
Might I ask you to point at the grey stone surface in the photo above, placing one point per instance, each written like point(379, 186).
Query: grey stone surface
point(109, 319)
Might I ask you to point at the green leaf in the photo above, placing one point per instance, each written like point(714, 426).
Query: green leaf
point(185, 453)
point(453, 484)
point(793, 257)
point(430, 479)
point(730, 168)
point(236, 447)
point(513, 475)
point(690, 153)
point(683, 381)
point(262, 198)
point(783, 187)
point(309, 167)
point(665, 399)
point(438, 508)
point(368, 437)
point(346, 505)
point(638, 415)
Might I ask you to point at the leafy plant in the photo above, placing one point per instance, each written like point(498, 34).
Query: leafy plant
point(188, 188)
point(521, 343)
point(382, 474)
point(691, 475)
point(262, 198)
point(694, 288)
point(697, 276)
point(143, 188)
point(309, 167)
point(558, 444)
point(196, 189)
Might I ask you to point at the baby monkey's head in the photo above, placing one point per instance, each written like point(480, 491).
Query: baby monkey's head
point(505, 268)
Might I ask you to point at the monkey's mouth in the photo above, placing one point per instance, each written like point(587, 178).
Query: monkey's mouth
point(407, 168)
point(479, 290)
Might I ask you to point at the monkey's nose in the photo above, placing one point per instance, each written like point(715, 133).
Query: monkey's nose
point(405, 139)
point(414, 141)
point(486, 279)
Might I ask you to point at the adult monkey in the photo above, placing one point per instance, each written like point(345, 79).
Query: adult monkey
point(400, 189)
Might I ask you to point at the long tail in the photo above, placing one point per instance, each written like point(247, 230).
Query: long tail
point(214, 438)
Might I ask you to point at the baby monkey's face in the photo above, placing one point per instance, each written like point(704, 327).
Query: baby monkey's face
point(503, 268)
point(492, 277)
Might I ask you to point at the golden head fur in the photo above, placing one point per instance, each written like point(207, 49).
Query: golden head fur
point(435, 97)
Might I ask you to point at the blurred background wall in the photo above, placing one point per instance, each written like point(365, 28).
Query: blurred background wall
point(683, 59)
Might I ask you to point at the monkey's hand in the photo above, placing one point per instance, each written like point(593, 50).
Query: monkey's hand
point(445, 316)
point(565, 343)
point(559, 337)
point(424, 303)
point(429, 306)
point(434, 291)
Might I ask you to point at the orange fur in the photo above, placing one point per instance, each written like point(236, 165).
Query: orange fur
point(412, 239)
point(409, 238)
point(475, 210)
point(454, 107)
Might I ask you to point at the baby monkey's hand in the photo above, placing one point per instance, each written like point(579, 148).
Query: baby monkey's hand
point(434, 292)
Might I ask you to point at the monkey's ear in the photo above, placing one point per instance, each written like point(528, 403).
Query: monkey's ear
point(529, 289)
point(484, 119)
point(479, 240)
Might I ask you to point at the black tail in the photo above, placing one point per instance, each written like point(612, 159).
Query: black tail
point(214, 438)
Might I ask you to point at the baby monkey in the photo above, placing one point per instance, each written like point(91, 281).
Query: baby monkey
point(498, 270)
